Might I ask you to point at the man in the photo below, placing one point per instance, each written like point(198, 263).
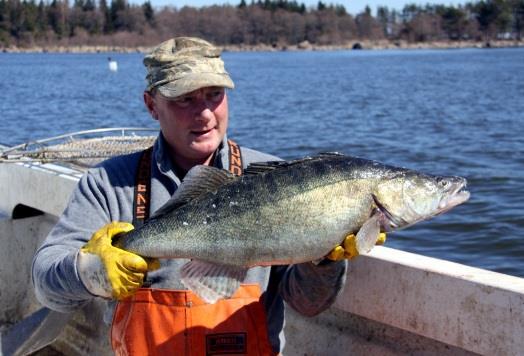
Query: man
point(77, 263)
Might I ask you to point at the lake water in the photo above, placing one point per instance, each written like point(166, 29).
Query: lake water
point(457, 112)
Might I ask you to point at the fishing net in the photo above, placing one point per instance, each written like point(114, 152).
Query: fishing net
point(85, 152)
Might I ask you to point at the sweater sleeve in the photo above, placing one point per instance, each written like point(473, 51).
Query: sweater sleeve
point(54, 274)
point(309, 288)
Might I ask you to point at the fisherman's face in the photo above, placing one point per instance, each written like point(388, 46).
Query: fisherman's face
point(193, 124)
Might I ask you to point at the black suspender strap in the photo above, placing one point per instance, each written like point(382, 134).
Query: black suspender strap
point(142, 194)
point(235, 158)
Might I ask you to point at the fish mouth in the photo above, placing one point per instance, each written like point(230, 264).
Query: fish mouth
point(455, 195)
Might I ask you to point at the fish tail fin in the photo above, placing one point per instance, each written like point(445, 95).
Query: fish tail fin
point(211, 281)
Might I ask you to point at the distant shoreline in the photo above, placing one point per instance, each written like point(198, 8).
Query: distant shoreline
point(304, 46)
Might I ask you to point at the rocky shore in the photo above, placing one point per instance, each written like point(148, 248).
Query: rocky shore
point(303, 46)
point(380, 45)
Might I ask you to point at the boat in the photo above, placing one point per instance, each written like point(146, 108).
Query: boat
point(394, 302)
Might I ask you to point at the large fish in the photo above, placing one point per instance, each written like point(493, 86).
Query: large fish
point(284, 212)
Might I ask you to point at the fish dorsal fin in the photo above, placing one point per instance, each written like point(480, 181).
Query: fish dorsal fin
point(329, 154)
point(263, 167)
point(202, 179)
point(210, 281)
point(199, 180)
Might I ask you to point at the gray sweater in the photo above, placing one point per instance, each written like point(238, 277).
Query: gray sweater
point(105, 194)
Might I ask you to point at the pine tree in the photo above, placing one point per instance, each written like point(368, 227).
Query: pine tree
point(149, 14)
point(107, 25)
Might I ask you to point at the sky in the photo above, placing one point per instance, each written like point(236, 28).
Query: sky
point(353, 7)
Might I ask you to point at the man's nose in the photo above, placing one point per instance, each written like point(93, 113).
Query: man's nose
point(203, 107)
point(204, 114)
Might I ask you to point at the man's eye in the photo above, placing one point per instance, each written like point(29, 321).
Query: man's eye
point(183, 101)
point(216, 95)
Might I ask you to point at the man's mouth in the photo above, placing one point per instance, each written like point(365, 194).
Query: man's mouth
point(201, 132)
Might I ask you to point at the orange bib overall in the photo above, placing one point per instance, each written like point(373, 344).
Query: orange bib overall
point(171, 322)
point(167, 322)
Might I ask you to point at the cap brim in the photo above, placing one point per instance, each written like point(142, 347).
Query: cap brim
point(194, 81)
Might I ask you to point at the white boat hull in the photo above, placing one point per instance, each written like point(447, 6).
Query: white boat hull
point(394, 302)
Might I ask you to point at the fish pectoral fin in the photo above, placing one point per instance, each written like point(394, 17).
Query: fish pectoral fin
point(368, 234)
point(211, 281)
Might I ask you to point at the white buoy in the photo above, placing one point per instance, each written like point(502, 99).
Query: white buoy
point(113, 65)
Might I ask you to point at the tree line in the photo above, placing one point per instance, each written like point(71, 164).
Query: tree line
point(270, 22)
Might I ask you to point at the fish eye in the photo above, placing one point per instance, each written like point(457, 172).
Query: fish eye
point(441, 181)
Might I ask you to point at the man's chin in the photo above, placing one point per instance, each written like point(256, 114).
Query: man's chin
point(203, 150)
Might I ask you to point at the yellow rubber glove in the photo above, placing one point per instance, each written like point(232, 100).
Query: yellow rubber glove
point(108, 271)
point(348, 247)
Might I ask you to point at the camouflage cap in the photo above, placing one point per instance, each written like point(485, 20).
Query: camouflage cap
point(184, 64)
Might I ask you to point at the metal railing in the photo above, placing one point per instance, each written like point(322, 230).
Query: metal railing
point(73, 153)
point(97, 143)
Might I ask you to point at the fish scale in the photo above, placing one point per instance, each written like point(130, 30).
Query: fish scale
point(284, 207)
point(284, 213)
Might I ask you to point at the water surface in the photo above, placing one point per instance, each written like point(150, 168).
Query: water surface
point(457, 112)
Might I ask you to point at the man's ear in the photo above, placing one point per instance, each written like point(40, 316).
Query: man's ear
point(150, 104)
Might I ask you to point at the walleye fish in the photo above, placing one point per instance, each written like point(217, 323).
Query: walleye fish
point(284, 212)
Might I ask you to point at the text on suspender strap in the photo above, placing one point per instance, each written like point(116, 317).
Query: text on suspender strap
point(142, 194)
